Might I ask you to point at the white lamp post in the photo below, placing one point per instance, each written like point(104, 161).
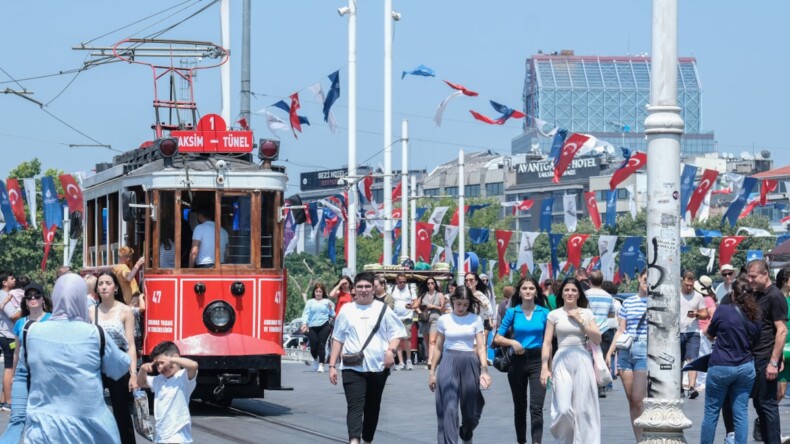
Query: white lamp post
point(351, 223)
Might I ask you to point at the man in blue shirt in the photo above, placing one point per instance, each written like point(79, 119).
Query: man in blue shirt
point(602, 306)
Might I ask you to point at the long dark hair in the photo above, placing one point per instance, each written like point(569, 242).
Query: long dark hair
point(118, 292)
point(540, 298)
point(424, 287)
point(347, 279)
point(322, 287)
point(743, 297)
point(582, 302)
point(481, 287)
point(462, 292)
point(44, 300)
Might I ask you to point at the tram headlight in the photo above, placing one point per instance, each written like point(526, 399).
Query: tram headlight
point(219, 316)
point(168, 146)
point(268, 149)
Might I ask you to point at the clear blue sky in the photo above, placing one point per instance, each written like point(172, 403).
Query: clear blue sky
point(482, 45)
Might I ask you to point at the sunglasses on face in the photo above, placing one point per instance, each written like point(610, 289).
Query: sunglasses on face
point(32, 296)
point(727, 274)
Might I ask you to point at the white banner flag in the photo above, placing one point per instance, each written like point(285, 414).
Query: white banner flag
point(544, 273)
point(606, 246)
point(319, 96)
point(439, 251)
point(710, 253)
point(704, 209)
point(525, 256)
point(275, 123)
point(450, 233)
point(30, 193)
point(569, 209)
point(436, 218)
point(736, 183)
point(631, 201)
point(440, 109)
point(544, 128)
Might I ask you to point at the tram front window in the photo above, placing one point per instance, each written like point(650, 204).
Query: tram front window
point(236, 217)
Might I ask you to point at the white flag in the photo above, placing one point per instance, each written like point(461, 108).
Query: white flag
point(544, 128)
point(341, 228)
point(300, 233)
point(569, 208)
point(544, 273)
point(436, 218)
point(736, 181)
point(439, 251)
point(631, 201)
point(291, 247)
point(606, 246)
point(753, 232)
point(440, 109)
point(704, 209)
point(275, 123)
point(586, 262)
point(319, 96)
point(320, 213)
point(30, 193)
point(711, 253)
point(525, 256)
point(450, 233)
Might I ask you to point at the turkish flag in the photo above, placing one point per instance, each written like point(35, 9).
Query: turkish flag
point(575, 243)
point(396, 192)
point(295, 124)
point(524, 205)
point(49, 236)
point(502, 241)
point(592, 209)
point(785, 219)
point(727, 247)
point(569, 149)
point(748, 209)
point(17, 205)
point(73, 193)
point(423, 233)
point(461, 88)
point(454, 219)
point(705, 184)
point(769, 186)
point(721, 191)
point(635, 162)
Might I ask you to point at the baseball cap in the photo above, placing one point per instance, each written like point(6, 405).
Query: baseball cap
point(34, 286)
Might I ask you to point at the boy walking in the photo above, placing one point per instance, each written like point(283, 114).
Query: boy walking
point(172, 387)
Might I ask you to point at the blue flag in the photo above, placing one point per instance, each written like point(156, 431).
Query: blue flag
point(556, 144)
point(312, 210)
point(546, 208)
point(554, 244)
point(473, 208)
point(686, 186)
point(478, 235)
point(396, 249)
point(330, 243)
point(629, 256)
point(421, 70)
point(753, 255)
point(611, 208)
point(707, 235)
point(737, 205)
point(8, 213)
point(781, 239)
point(53, 213)
point(287, 108)
point(333, 94)
point(420, 212)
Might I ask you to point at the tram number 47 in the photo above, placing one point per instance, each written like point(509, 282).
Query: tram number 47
point(156, 297)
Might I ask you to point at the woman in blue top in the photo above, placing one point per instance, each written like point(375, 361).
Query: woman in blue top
point(35, 307)
point(317, 314)
point(527, 317)
point(731, 372)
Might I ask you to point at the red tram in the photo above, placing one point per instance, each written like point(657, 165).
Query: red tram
point(229, 318)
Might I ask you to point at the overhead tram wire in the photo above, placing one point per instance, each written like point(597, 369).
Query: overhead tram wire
point(136, 22)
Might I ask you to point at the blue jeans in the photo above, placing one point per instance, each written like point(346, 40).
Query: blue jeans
point(722, 381)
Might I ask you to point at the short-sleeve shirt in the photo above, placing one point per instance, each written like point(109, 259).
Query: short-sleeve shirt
point(690, 302)
point(354, 324)
point(709, 304)
point(733, 337)
point(632, 310)
point(602, 305)
point(129, 289)
point(528, 332)
point(171, 406)
point(774, 308)
point(402, 297)
point(20, 324)
point(6, 324)
point(459, 331)
point(342, 299)
point(569, 332)
point(205, 234)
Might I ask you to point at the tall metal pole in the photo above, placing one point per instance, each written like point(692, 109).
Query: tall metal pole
point(404, 195)
point(351, 226)
point(413, 221)
point(245, 61)
point(663, 420)
point(388, 223)
point(461, 220)
point(224, 70)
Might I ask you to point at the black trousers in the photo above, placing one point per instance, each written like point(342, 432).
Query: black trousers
point(363, 396)
point(121, 401)
point(318, 337)
point(765, 404)
point(525, 373)
point(606, 340)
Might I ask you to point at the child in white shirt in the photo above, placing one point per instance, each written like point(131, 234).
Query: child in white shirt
point(172, 388)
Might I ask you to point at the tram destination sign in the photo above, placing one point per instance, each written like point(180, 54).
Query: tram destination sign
point(212, 136)
point(318, 180)
point(543, 171)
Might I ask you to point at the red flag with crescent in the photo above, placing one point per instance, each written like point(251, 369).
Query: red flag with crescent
point(575, 244)
point(727, 248)
point(569, 149)
point(705, 184)
point(635, 162)
point(73, 193)
point(524, 205)
point(423, 233)
point(592, 209)
point(15, 198)
point(49, 236)
point(454, 219)
point(747, 210)
point(295, 124)
point(396, 192)
point(461, 88)
point(768, 186)
point(502, 241)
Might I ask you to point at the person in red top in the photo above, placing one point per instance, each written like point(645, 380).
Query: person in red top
point(341, 293)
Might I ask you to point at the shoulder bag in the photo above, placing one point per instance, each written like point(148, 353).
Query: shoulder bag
point(503, 355)
point(603, 376)
point(625, 341)
point(354, 359)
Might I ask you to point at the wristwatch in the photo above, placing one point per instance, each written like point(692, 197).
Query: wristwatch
point(774, 363)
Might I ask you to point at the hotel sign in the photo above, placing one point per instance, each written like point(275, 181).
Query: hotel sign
point(543, 171)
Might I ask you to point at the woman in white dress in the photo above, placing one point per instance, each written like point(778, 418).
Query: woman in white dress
point(575, 417)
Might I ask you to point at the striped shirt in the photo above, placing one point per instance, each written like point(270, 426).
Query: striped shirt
point(602, 304)
point(632, 310)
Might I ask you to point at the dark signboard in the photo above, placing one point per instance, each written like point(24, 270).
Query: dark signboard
point(542, 171)
point(318, 180)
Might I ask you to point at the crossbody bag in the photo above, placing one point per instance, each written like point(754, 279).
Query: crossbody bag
point(355, 359)
point(625, 341)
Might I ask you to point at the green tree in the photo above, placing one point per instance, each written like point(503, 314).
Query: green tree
point(304, 271)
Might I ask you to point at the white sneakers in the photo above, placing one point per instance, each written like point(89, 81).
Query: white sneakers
point(315, 365)
point(409, 366)
point(729, 438)
point(320, 368)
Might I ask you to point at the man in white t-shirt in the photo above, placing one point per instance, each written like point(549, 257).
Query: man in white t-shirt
point(403, 296)
point(692, 308)
point(202, 253)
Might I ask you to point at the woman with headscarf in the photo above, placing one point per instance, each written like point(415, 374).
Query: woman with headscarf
point(64, 353)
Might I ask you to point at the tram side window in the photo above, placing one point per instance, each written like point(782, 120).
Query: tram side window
point(167, 230)
point(267, 229)
point(236, 217)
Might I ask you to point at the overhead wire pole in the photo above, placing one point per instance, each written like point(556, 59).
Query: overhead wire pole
point(404, 193)
point(388, 223)
point(351, 229)
point(245, 61)
point(225, 68)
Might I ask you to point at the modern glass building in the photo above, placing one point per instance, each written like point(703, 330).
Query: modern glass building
point(606, 97)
